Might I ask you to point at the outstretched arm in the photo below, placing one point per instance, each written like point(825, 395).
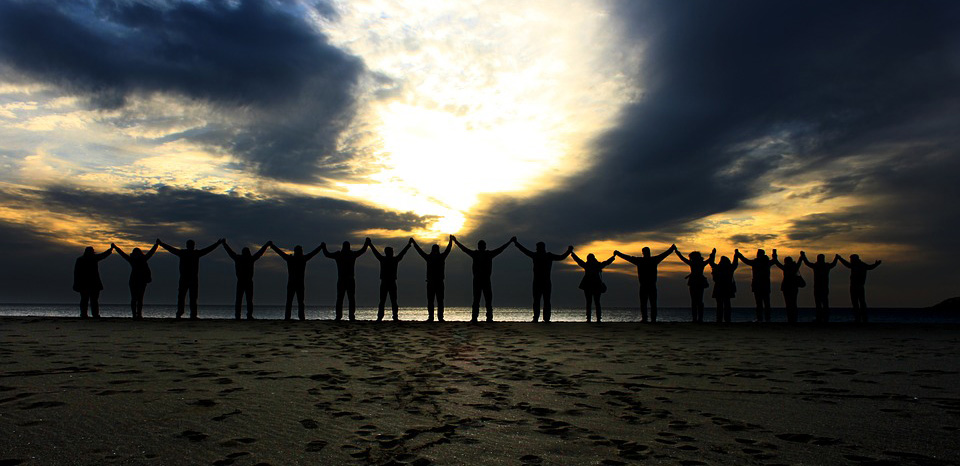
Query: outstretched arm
point(496, 252)
point(842, 261)
point(208, 249)
point(522, 249)
point(120, 251)
point(627, 257)
point(744, 258)
point(366, 244)
point(103, 255)
point(151, 252)
point(577, 259)
point(874, 265)
point(736, 263)
point(278, 250)
point(713, 255)
point(660, 257)
point(680, 255)
point(226, 247)
point(260, 252)
point(833, 264)
point(417, 247)
point(323, 248)
point(776, 261)
point(804, 260)
point(608, 261)
point(560, 257)
point(375, 252)
point(404, 251)
point(171, 249)
point(310, 254)
point(446, 251)
point(461, 246)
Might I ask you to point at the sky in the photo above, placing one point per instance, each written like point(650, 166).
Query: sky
point(822, 126)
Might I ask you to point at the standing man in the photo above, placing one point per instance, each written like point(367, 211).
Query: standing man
point(436, 263)
point(388, 277)
point(346, 280)
point(647, 275)
point(86, 279)
point(189, 272)
point(760, 285)
point(542, 265)
point(482, 269)
point(858, 280)
point(243, 264)
point(821, 284)
point(296, 271)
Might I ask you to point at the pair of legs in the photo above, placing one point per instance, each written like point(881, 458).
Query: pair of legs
point(541, 291)
point(244, 289)
point(594, 297)
point(859, 300)
point(696, 303)
point(790, 303)
point(435, 292)
point(137, 291)
point(763, 305)
point(187, 286)
point(723, 310)
point(348, 288)
point(482, 287)
point(292, 289)
point(648, 293)
point(91, 298)
point(388, 288)
point(822, 303)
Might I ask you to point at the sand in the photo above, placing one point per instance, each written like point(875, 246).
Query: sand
point(273, 392)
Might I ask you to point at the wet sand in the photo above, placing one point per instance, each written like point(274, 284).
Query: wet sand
point(273, 392)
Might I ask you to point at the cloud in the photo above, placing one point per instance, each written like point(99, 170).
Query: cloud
point(752, 239)
point(285, 93)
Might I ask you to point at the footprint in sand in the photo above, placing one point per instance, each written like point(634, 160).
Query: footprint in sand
point(44, 404)
point(203, 403)
point(193, 435)
point(309, 424)
point(315, 446)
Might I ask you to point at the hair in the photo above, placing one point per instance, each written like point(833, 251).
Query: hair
point(191, 244)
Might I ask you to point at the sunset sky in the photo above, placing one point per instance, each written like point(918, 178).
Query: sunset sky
point(830, 127)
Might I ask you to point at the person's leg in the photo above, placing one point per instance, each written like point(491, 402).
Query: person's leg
point(644, 317)
point(547, 306)
point(476, 300)
point(249, 293)
point(488, 299)
point(84, 303)
point(431, 296)
point(383, 300)
point(352, 296)
point(138, 297)
point(181, 298)
point(301, 302)
point(289, 305)
point(855, 302)
point(439, 291)
point(537, 294)
point(133, 300)
point(719, 310)
point(586, 296)
point(393, 300)
point(193, 300)
point(341, 291)
point(596, 302)
point(95, 303)
point(693, 304)
point(826, 307)
point(652, 296)
point(238, 301)
point(766, 307)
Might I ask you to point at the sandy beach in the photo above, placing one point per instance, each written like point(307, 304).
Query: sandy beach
point(320, 392)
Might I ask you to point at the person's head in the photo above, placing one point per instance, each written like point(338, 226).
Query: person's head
point(821, 258)
point(788, 261)
point(854, 257)
point(388, 251)
point(298, 250)
point(761, 253)
point(591, 258)
point(136, 252)
point(482, 245)
point(695, 255)
point(191, 244)
point(88, 251)
point(345, 247)
point(646, 252)
point(541, 246)
point(724, 261)
point(245, 252)
point(435, 249)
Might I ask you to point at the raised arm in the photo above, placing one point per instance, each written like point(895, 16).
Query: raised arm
point(366, 244)
point(874, 265)
point(608, 261)
point(522, 249)
point(446, 252)
point(842, 261)
point(736, 262)
point(660, 257)
point(310, 254)
point(833, 264)
point(631, 259)
point(151, 252)
point(120, 251)
point(560, 257)
point(171, 249)
point(461, 246)
point(743, 258)
point(278, 250)
point(577, 259)
point(713, 256)
point(404, 251)
point(376, 253)
point(323, 248)
point(776, 260)
point(804, 260)
point(680, 255)
point(208, 249)
point(260, 252)
point(103, 255)
point(417, 247)
point(226, 247)
point(496, 252)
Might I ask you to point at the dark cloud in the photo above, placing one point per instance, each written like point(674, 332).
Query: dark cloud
point(289, 92)
point(752, 239)
point(734, 91)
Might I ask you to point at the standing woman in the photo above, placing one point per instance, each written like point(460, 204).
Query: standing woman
point(696, 281)
point(139, 276)
point(792, 282)
point(592, 282)
point(86, 279)
point(724, 287)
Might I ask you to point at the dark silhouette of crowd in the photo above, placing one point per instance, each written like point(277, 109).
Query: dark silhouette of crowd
point(87, 279)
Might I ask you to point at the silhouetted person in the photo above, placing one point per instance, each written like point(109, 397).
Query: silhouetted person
point(388, 277)
point(696, 282)
point(542, 265)
point(821, 284)
point(592, 282)
point(791, 284)
point(482, 269)
point(647, 275)
point(86, 280)
point(760, 284)
point(724, 285)
point(858, 279)
point(436, 263)
point(296, 272)
point(139, 276)
point(243, 265)
point(346, 259)
point(189, 272)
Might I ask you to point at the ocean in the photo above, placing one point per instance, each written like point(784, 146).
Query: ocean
point(503, 314)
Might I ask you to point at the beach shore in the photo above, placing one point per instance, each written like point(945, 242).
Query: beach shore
point(117, 391)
